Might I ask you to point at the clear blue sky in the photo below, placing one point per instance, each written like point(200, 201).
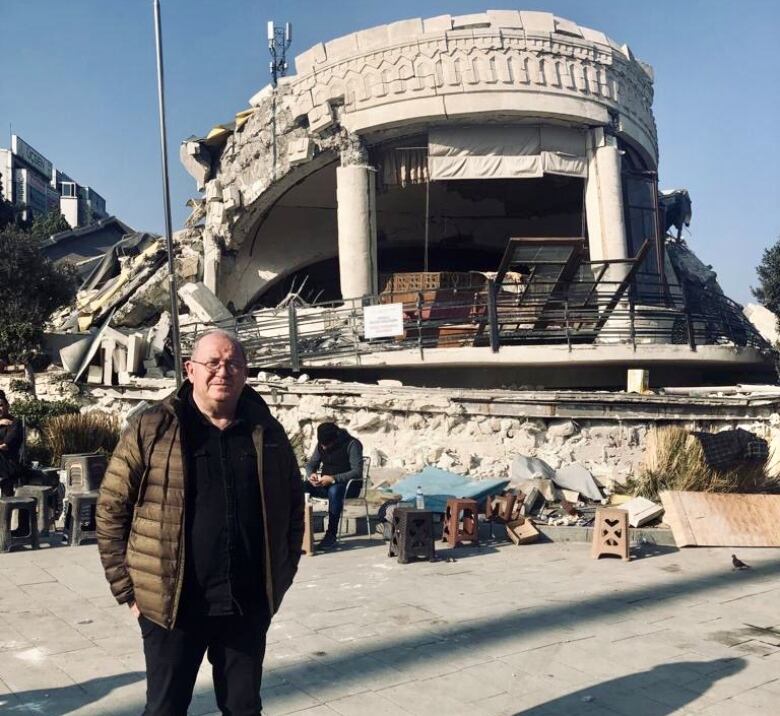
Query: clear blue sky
point(78, 83)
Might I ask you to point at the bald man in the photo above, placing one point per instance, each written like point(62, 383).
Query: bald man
point(200, 526)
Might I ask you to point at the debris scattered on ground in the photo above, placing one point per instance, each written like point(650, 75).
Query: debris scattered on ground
point(641, 511)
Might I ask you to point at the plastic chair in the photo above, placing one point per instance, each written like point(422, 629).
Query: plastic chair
point(362, 496)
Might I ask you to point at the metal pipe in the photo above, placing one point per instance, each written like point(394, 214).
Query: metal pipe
point(167, 198)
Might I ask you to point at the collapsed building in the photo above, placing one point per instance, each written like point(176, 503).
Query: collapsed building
point(430, 197)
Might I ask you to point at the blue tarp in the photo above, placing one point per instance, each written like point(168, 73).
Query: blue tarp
point(439, 485)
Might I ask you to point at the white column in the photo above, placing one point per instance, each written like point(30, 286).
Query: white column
point(356, 198)
point(604, 203)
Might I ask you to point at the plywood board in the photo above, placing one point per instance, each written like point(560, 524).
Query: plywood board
point(707, 519)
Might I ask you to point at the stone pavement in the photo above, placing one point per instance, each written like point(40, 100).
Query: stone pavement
point(540, 629)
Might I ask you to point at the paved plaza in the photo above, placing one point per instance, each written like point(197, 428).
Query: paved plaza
point(540, 629)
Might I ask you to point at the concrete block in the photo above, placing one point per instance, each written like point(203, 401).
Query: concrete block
point(567, 27)
point(108, 361)
point(405, 30)
point(300, 151)
point(321, 117)
point(95, 374)
point(203, 303)
point(123, 378)
point(231, 198)
point(159, 334)
point(213, 191)
point(135, 352)
point(638, 380)
point(509, 19)
point(595, 36)
point(373, 38)
point(341, 47)
point(467, 22)
point(440, 23)
point(117, 336)
point(305, 62)
point(120, 360)
point(537, 23)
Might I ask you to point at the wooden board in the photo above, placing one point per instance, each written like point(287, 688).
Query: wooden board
point(707, 519)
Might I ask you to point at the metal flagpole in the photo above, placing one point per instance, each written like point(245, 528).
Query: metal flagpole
point(167, 198)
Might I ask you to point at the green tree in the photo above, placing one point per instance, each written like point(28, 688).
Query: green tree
point(768, 290)
point(45, 226)
point(31, 287)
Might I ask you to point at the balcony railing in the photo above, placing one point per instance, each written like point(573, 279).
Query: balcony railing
point(491, 315)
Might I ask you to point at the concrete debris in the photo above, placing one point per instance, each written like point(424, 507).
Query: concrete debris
point(576, 477)
point(641, 511)
point(203, 303)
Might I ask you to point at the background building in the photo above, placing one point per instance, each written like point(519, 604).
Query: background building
point(32, 183)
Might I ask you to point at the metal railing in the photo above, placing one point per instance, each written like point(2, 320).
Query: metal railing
point(489, 315)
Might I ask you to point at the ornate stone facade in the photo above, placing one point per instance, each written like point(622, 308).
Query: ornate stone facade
point(396, 79)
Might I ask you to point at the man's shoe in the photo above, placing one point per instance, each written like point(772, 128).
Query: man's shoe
point(328, 541)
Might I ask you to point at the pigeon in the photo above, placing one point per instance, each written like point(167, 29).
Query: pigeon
point(738, 563)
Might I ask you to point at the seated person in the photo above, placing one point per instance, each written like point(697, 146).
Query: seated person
point(10, 443)
point(337, 459)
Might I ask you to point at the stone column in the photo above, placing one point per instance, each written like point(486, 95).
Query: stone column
point(604, 203)
point(356, 198)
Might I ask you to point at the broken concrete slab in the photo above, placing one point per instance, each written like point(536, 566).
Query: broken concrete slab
point(576, 477)
point(203, 303)
point(641, 511)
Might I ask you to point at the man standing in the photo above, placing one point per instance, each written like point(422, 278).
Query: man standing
point(339, 458)
point(200, 525)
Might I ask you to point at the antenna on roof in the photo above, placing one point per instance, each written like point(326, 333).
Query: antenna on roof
point(279, 41)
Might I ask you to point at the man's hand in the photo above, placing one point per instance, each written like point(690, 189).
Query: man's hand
point(6, 421)
point(327, 480)
point(314, 479)
point(136, 612)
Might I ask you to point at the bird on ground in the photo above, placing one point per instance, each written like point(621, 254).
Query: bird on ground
point(738, 563)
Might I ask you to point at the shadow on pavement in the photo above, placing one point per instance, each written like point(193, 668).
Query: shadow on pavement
point(645, 689)
point(514, 626)
point(64, 699)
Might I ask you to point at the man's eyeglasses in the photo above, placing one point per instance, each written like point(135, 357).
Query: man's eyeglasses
point(212, 366)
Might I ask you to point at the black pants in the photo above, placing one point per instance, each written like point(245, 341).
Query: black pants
point(235, 646)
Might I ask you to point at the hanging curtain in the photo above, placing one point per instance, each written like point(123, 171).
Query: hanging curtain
point(401, 166)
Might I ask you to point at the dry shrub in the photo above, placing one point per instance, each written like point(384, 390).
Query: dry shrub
point(675, 461)
point(95, 431)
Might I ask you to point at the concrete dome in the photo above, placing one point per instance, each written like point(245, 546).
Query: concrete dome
point(500, 63)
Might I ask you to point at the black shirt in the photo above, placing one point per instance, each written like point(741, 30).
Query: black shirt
point(11, 436)
point(224, 540)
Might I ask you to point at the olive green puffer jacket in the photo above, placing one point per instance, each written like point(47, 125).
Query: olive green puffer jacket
point(140, 510)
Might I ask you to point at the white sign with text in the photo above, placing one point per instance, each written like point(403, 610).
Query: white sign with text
point(383, 321)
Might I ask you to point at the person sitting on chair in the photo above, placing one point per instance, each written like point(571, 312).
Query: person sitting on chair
point(337, 459)
point(10, 444)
